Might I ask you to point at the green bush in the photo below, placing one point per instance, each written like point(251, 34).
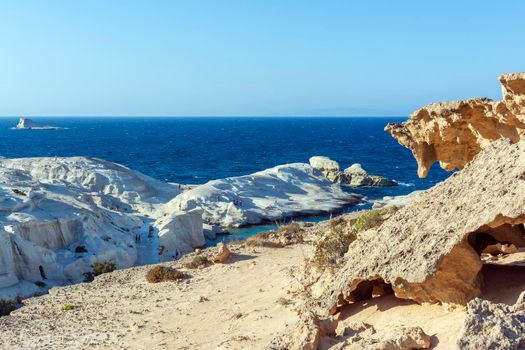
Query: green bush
point(68, 307)
point(99, 268)
point(103, 267)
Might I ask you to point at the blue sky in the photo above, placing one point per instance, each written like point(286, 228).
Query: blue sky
point(265, 57)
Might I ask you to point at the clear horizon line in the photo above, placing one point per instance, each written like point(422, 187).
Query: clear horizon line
point(202, 116)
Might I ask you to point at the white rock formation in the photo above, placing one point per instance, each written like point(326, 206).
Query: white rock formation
point(60, 215)
point(283, 191)
point(30, 124)
point(179, 233)
point(330, 168)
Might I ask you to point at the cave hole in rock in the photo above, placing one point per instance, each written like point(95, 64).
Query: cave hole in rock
point(369, 289)
point(502, 252)
point(503, 239)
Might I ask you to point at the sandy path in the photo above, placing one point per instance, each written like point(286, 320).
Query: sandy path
point(231, 306)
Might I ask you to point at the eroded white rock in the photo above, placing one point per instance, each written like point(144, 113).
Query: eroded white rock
point(273, 194)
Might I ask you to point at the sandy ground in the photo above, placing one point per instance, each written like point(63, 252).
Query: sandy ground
point(242, 304)
point(230, 306)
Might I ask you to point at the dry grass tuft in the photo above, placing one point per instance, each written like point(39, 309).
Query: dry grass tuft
point(197, 261)
point(162, 273)
point(330, 249)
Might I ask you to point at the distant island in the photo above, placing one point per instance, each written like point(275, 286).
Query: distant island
point(30, 124)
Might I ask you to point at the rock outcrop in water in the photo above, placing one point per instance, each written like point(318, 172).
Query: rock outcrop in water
point(58, 216)
point(452, 133)
point(354, 175)
point(30, 124)
point(283, 191)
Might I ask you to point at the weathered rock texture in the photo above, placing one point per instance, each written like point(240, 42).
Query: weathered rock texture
point(425, 250)
point(283, 191)
point(452, 133)
point(493, 326)
point(354, 175)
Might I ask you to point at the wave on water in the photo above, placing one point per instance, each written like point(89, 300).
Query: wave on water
point(405, 184)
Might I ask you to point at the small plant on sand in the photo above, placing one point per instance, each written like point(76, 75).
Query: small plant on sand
point(332, 246)
point(103, 267)
point(162, 274)
point(262, 240)
point(283, 301)
point(284, 235)
point(197, 261)
point(99, 268)
point(7, 306)
point(68, 307)
point(291, 228)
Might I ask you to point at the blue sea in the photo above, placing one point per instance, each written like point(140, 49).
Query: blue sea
point(196, 150)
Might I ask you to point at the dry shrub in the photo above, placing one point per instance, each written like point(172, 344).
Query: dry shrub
point(291, 228)
point(262, 240)
point(283, 236)
point(99, 268)
point(103, 267)
point(197, 261)
point(330, 249)
point(162, 274)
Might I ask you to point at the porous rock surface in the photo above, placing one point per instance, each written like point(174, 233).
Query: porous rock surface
point(424, 250)
point(493, 326)
point(452, 133)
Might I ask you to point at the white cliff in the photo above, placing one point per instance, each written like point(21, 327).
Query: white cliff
point(273, 194)
point(58, 216)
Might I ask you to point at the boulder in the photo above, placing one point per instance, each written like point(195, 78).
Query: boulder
point(356, 176)
point(425, 251)
point(360, 335)
point(222, 254)
point(493, 326)
point(283, 191)
point(452, 133)
point(330, 168)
